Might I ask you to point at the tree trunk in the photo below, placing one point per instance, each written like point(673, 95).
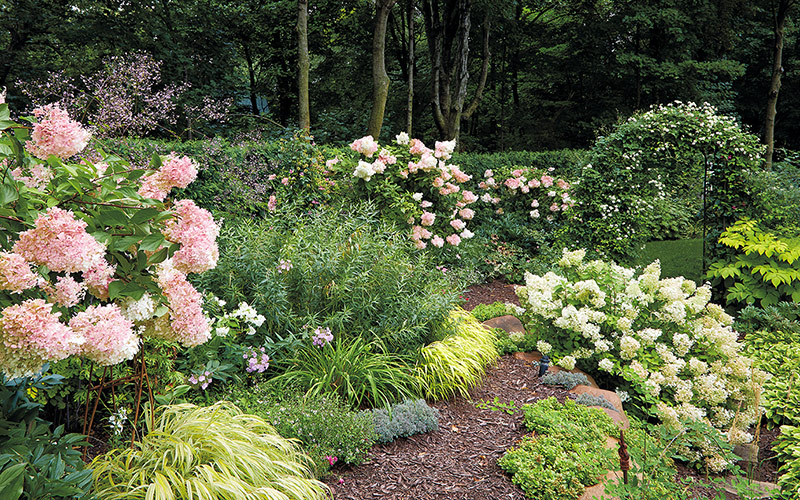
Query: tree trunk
point(775, 84)
point(411, 64)
point(304, 115)
point(380, 80)
point(251, 73)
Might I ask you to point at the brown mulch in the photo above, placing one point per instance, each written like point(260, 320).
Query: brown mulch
point(489, 293)
point(459, 461)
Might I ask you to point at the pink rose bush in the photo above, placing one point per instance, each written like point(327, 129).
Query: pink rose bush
point(93, 255)
point(416, 185)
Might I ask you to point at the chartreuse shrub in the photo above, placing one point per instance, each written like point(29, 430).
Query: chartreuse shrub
point(658, 339)
point(566, 452)
point(412, 416)
point(763, 267)
point(787, 447)
point(206, 453)
point(345, 269)
point(777, 353)
point(457, 363)
point(361, 372)
point(325, 425)
point(643, 181)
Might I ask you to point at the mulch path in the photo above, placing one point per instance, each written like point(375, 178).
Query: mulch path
point(459, 461)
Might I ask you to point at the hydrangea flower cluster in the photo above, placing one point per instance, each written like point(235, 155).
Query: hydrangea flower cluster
point(257, 360)
point(527, 190)
point(432, 202)
point(668, 346)
point(322, 337)
point(174, 172)
point(55, 260)
point(56, 134)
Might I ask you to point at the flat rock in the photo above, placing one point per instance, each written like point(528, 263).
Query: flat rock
point(508, 323)
point(529, 357)
point(598, 490)
point(761, 488)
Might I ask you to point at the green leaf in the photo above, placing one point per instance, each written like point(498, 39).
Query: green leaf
point(124, 243)
point(11, 482)
point(8, 194)
point(159, 256)
point(144, 215)
point(152, 243)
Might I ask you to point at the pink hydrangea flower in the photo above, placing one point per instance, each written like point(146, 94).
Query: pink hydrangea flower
point(417, 147)
point(466, 213)
point(517, 173)
point(460, 176)
point(512, 183)
point(15, 273)
point(547, 181)
point(562, 184)
point(98, 277)
point(469, 197)
point(428, 218)
point(438, 182)
point(453, 239)
point(330, 163)
point(31, 335)
point(272, 204)
point(458, 224)
point(427, 162)
point(188, 324)
point(366, 146)
point(534, 203)
point(444, 149)
point(109, 335)
point(40, 176)
point(55, 134)
point(387, 157)
point(437, 241)
point(554, 207)
point(67, 292)
point(194, 228)
point(534, 183)
point(60, 242)
point(174, 172)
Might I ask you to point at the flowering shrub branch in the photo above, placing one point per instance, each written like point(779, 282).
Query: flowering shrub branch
point(92, 256)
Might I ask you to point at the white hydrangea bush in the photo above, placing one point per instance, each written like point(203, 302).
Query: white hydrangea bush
point(671, 349)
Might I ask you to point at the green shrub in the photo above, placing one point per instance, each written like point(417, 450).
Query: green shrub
point(405, 419)
point(787, 447)
point(485, 312)
point(590, 400)
point(456, 364)
point(566, 453)
point(360, 372)
point(347, 271)
point(206, 453)
point(764, 268)
point(777, 353)
point(325, 425)
point(783, 316)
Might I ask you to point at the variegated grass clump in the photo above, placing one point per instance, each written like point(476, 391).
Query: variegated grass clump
point(207, 453)
point(456, 364)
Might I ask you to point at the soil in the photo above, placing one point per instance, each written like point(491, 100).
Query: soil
point(459, 461)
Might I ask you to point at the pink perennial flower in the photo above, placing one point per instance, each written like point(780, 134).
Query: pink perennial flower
point(453, 239)
point(417, 147)
point(60, 242)
point(469, 197)
point(444, 149)
point(437, 241)
point(458, 224)
point(109, 336)
point(40, 176)
point(15, 273)
point(174, 172)
point(428, 218)
point(98, 277)
point(466, 213)
point(55, 134)
point(195, 230)
point(67, 292)
point(188, 324)
point(272, 204)
point(31, 335)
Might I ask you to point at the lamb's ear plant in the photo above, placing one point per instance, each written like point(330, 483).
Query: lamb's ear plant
point(207, 453)
point(456, 364)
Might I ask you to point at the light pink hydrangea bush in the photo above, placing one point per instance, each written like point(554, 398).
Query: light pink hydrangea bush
point(92, 257)
point(526, 190)
point(415, 185)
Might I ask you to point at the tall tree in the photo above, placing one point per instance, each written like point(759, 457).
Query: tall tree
point(779, 26)
point(448, 28)
point(304, 115)
point(380, 80)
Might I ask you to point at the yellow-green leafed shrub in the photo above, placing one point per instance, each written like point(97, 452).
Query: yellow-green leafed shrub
point(207, 453)
point(456, 364)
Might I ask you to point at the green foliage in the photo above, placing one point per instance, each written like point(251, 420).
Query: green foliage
point(405, 419)
point(783, 316)
point(325, 424)
point(238, 178)
point(590, 400)
point(485, 312)
point(787, 448)
point(206, 453)
point(360, 372)
point(564, 162)
point(497, 405)
point(764, 267)
point(566, 453)
point(777, 353)
point(565, 379)
point(643, 181)
point(456, 364)
point(35, 460)
point(349, 272)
